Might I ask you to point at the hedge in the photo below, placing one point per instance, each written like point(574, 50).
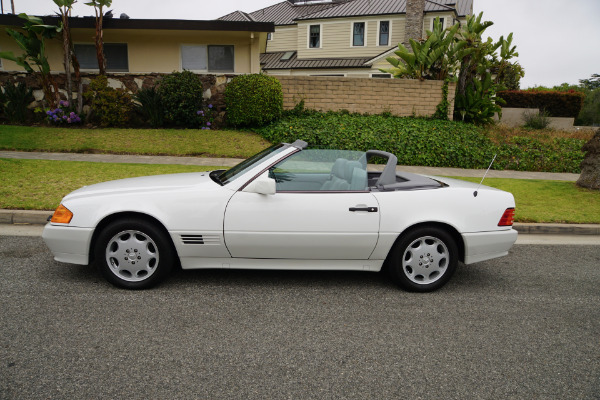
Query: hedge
point(417, 141)
point(557, 104)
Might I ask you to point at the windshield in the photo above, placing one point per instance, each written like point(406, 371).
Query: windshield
point(229, 175)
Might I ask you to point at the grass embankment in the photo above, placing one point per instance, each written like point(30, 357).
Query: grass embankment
point(40, 185)
point(172, 142)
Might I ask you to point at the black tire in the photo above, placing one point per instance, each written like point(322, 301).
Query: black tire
point(133, 254)
point(423, 260)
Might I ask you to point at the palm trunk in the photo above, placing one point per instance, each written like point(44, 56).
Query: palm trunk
point(67, 50)
point(100, 42)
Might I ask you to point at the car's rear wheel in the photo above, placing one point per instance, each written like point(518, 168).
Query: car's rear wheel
point(423, 260)
point(133, 254)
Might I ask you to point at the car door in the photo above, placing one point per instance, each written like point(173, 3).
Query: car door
point(316, 213)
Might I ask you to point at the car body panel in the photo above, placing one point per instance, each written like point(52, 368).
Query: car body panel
point(222, 225)
point(291, 225)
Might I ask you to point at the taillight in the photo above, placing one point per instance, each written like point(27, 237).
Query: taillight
point(507, 218)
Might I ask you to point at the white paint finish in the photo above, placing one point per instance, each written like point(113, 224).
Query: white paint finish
point(301, 225)
point(68, 244)
point(277, 264)
point(482, 246)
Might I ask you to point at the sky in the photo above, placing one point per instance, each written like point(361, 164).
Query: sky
point(557, 40)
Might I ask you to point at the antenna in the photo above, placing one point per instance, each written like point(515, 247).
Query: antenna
point(475, 192)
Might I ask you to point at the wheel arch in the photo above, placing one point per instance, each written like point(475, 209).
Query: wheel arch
point(107, 220)
point(441, 225)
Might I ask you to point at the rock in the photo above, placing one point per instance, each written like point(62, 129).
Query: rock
point(590, 166)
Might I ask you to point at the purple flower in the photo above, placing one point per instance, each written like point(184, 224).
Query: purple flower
point(210, 106)
point(208, 124)
point(63, 103)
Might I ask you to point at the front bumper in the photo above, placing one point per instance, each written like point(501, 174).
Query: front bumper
point(481, 246)
point(68, 244)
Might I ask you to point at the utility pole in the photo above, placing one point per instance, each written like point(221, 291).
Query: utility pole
point(12, 6)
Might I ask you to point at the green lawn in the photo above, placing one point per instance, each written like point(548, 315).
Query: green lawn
point(549, 201)
point(40, 185)
point(174, 142)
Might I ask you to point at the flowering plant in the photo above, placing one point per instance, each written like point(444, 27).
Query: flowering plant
point(205, 117)
point(62, 114)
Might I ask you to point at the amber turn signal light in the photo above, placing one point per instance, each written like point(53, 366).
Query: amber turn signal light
point(62, 215)
point(507, 218)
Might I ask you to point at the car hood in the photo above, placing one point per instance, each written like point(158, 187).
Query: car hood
point(145, 184)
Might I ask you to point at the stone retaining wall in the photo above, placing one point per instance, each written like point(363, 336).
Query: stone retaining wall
point(214, 85)
point(401, 97)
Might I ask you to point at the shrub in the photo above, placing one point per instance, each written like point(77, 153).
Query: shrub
point(181, 94)
point(150, 106)
point(109, 106)
point(16, 98)
point(425, 142)
point(413, 141)
point(557, 104)
point(253, 100)
point(535, 120)
point(63, 114)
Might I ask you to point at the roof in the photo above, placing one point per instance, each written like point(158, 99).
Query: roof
point(273, 61)
point(286, 13)
point(357, 8)
point(160, 24)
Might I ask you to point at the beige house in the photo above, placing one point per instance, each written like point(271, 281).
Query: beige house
point(155, 46)
point(349, 38)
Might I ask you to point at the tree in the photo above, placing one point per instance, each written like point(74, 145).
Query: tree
point(34, 59)
point(434, 58)
point(591, 84)
point(64, 7)
point(99, 11)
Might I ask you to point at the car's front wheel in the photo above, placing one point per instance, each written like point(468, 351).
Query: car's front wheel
point(133, 254)
point(423, 260)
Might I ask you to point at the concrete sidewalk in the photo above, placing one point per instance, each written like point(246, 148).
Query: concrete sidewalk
point(230, 162)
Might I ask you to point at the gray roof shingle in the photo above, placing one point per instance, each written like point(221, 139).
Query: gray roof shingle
point(273, 61)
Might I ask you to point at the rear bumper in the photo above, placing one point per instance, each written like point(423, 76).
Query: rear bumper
point(68, 244)
point(481, 246)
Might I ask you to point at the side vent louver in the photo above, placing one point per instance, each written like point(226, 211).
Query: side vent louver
point(200, 239)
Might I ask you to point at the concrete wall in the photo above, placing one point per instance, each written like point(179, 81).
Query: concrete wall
point(401, 97)
point(514, 117)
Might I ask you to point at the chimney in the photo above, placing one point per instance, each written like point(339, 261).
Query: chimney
point(413, 29)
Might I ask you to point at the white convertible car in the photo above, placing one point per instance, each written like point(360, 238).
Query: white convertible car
point(287, 207)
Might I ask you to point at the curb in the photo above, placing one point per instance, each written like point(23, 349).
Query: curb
point(32, 217)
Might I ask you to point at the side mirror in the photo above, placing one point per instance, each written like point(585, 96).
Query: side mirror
point(262, 185)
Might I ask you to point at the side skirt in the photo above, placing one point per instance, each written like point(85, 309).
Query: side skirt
point(281, 264)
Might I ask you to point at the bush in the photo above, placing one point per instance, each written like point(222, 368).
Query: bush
point(557, 104)
point(253, 100)
point(150, 106)
point(413, 141)
point(528, 154)
point(425, 142)
point(14, 102)
point(109, 106)
point(535, 120)
point(181, 94)
point(63, 114)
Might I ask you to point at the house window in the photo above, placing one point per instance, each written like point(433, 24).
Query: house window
point(384, 33)
point(207, 58)
point(358, 34)
point(220, 58)
point(441, 22)
point(115, 54)
point(381, 76)
point(314, 38)
point(270, 36)
point(194, 58)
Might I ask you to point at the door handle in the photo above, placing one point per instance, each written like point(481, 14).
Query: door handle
point(367, 209)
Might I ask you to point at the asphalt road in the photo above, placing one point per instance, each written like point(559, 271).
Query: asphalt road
point(526, 326)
